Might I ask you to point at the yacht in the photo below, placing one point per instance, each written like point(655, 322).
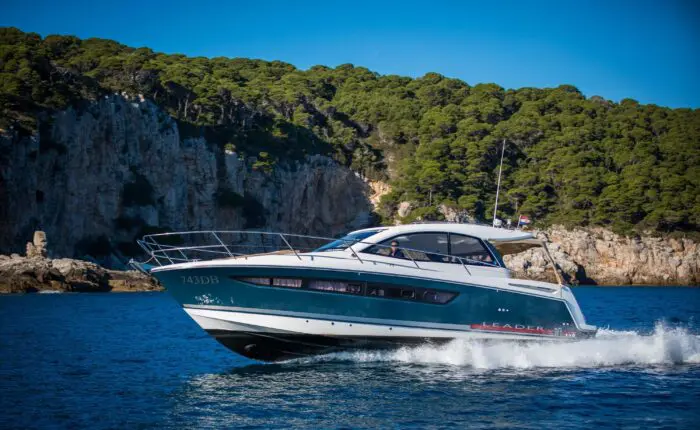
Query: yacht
point(275, 296)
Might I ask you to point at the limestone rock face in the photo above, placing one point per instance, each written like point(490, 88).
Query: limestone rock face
point(378, 189)
point(596, 255)
point(404, 209)
point(37, 248)
point(452, 214)
point(98, 176)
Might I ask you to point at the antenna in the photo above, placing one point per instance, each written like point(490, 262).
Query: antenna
point(498, 187)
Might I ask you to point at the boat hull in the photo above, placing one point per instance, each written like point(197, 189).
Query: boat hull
point(273, 323)
point(270, 337)
point(282, 347)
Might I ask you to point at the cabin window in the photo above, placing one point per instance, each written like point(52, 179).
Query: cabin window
point(408, 294)
point(336, 286)
point(286, 282)
point(419, 247)
point(376, 291)
point(441, 297)
point(256, 281)
point(275, 282)
point(418, 294)
point(384, 291)
point(471, 249)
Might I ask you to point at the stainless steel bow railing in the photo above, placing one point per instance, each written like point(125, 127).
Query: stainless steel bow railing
point(182, 247)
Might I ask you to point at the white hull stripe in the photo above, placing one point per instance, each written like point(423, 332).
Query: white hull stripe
point(328, 317)
point(236, 321)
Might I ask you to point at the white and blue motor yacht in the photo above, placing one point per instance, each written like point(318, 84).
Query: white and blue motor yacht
point(273, 296)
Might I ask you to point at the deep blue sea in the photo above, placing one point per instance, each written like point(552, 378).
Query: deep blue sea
point(137, 361)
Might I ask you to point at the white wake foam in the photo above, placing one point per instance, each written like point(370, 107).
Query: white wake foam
point(609, 348)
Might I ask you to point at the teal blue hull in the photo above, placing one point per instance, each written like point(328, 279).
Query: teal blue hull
point(471, 307)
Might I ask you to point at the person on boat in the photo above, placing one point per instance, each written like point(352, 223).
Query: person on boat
point(395, 250)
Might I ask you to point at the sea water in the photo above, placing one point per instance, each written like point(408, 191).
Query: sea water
point(137, 361)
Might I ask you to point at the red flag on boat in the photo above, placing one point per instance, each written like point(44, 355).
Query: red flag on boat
point(523, 220)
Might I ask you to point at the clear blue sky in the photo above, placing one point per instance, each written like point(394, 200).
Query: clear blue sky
point(642, 49)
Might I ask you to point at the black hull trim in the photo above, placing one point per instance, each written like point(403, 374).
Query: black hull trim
point(286, 346)
point(282, 346)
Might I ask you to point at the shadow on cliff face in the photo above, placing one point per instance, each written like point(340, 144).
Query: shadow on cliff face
point(581, 278)
point(280, 139)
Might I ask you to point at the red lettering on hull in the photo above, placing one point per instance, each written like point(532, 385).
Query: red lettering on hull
point(521, 329)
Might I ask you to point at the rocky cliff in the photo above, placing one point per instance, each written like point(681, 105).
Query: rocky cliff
point(596, 255)
point(97, 176)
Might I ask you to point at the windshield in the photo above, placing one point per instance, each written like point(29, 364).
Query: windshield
point(347, 240)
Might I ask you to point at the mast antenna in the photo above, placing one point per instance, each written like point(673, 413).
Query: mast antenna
point(498, 187)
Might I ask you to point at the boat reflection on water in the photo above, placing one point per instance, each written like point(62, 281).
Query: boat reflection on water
point(346, 394)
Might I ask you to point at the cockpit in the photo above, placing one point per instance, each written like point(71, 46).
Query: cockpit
point(438, 247)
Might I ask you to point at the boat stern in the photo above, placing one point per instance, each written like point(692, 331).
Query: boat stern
point(585, 330)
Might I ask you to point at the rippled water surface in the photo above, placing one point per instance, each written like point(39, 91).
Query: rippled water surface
point(136, 360)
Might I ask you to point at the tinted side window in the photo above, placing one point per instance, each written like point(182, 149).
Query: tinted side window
point(419, 247)
point(358, 288)
point(410, 293)
point(469, 248)
point(335, 286)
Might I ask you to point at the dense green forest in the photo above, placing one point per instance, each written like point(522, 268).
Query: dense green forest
point(568, 159)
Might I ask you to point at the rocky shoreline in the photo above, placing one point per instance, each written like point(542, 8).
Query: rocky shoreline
point(35, 272)
point(20, 274)
point(584, 256)
point(596, 256)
